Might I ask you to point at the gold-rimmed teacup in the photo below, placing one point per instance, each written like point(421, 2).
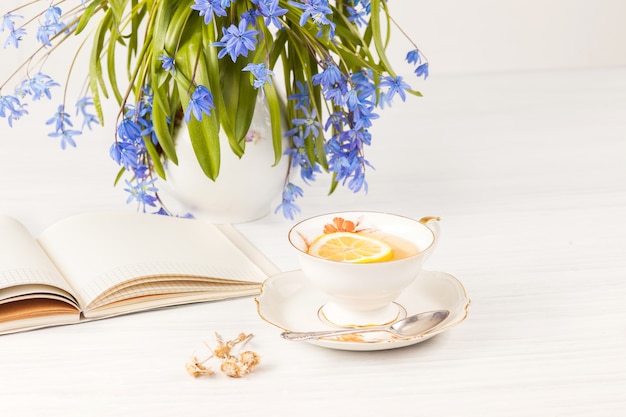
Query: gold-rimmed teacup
point(363, 294)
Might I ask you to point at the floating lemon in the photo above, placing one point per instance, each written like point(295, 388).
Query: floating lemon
point(350, 247)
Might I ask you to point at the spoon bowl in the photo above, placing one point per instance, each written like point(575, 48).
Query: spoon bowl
point(412, 326)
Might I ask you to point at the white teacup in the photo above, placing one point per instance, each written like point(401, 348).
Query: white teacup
point(363, 294)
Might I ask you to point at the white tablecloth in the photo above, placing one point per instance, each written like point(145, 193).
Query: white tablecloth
point(527, 171)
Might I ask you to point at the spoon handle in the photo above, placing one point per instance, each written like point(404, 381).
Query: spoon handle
point(329, 333)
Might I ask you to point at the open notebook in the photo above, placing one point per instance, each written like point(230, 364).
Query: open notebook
point(104, 264)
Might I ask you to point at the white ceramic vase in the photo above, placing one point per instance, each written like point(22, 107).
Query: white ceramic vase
point(246, 189)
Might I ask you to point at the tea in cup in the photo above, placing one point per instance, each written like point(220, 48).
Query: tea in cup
point(362, 261)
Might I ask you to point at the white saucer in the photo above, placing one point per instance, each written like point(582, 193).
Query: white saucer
point(289, 302)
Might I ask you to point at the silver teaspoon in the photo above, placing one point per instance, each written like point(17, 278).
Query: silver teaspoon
point(411, 326)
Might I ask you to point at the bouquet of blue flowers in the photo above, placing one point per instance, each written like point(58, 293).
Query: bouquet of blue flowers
point(203, 63)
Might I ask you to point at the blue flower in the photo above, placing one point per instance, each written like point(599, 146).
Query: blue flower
point(201, 102)
point(336, 120)
point(62, 122)
point(15, 34)
point(8, 22)
point(14, 38)
point(309, 125)
point(53, 14)
point(66, 136)
point(366, 4)
point(422, 70)
point(60, 119)
point(357, 16)
point(346, 160)
point(415, 57)
point(209, 8)
point(129, 130)
point(395, 86)
point(329, 77)
point(364, 83)
point(237, 40)
point(143, 191)
point(300, 159)
point(145, 115)
point(271, 11)
point(288, 206)
point(51, 26)
point(317, 11)
point(261, 74)
point(129, 150)
point(39, 85)
point(333, 83)
point(126, 155)
point(81, 109)
point(302, 98)
point(11, 108)
point(250, 16)
point(167, 63)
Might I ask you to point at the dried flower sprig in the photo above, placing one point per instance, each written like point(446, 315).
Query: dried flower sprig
point(233, 365)
point(196, 367)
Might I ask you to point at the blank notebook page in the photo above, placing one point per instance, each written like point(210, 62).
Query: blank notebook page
point(98, 251)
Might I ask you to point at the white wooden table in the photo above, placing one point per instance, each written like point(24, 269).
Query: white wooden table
point(527, 171)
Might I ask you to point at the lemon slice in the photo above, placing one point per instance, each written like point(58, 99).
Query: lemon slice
point(350, 247)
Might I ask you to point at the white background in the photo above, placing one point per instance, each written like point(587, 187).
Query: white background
point(466, 36)
point(461, 36)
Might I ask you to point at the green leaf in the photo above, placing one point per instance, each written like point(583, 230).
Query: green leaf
point(171, 24)
point(119, 176)
point(87, 15)
point(204, 134)
point(118, 6)
point(157, 165)
point(274, 105)
point(161, 111)
point(96, 80)
point(111, 71)
point(377, 36)
point(205, 141)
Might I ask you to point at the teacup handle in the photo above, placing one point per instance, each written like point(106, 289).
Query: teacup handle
point(432, 222)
